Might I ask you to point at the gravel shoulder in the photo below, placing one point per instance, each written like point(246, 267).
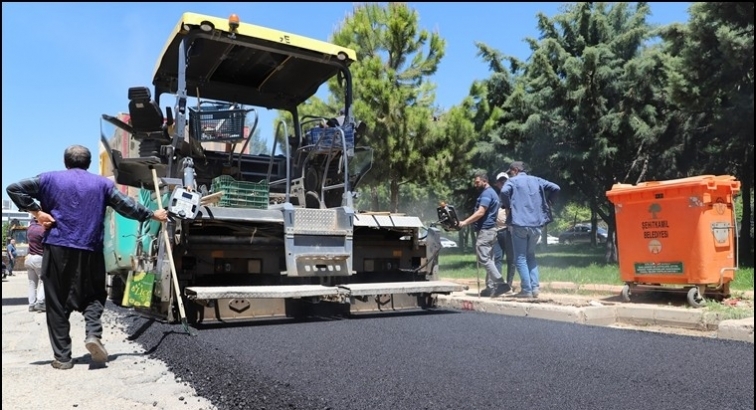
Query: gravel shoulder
point(130, 379)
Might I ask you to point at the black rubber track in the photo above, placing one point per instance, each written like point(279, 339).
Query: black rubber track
point(450, 360)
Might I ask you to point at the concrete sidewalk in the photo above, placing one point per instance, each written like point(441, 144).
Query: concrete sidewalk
point(598, 311)
point(130, 379)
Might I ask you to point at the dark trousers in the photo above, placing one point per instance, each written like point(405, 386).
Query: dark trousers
point(505, 254)
point(74, 281)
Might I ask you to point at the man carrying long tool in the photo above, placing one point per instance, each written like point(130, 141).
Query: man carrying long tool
point(73, 267)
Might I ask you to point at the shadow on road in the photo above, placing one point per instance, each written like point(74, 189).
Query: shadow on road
point(15, 301)
point(87, 359)
point(323, 318)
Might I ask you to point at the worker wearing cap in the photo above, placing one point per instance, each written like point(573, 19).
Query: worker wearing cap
point(503, 247)
point(528, 198)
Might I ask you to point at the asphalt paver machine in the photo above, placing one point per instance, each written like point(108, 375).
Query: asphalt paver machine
point(255, 235)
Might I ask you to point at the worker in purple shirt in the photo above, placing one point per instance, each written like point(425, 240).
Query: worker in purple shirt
point(35, 234)
point(71, 208)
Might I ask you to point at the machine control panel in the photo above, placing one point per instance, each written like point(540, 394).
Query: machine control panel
point(184, 204)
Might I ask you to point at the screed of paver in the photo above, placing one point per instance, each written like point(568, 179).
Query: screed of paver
point(130, 379)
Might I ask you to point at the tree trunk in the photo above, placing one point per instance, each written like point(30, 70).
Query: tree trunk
point(374, 198)
point(612, 254)
point(594, 225)
point(394, 195)
point(745, 255)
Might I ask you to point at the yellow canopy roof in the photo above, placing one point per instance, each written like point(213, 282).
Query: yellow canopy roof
point(249, 65)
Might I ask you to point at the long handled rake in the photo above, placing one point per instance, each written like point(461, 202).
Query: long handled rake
point(169, 251)
point(477, 273)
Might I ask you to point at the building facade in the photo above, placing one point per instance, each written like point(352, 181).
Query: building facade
point(10, 213)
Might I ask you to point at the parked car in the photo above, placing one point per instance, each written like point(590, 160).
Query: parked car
point(448, 243)
point(550, 240)
point(445, 242)
point(582, 233)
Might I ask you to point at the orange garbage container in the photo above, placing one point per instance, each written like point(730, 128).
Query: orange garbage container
point(678, 232)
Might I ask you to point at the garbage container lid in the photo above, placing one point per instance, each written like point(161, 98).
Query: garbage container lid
point(711, 182)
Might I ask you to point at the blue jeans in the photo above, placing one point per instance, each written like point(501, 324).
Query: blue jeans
point(524, 240)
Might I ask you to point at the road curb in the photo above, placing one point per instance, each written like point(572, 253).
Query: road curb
point(741, 329)
point(562, 286)
point(607, 315)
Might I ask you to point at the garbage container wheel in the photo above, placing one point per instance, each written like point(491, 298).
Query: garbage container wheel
point(695, 297)
point(626, 293)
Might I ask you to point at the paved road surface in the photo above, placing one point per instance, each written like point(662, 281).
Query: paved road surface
point(452, 360)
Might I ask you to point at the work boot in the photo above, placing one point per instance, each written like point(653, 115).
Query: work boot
point(501, 289)
point(62, 365)
point(96, 349)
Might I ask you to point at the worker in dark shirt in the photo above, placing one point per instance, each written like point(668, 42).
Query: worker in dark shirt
point(73, 204)
point(484, 223)
point(35, 234)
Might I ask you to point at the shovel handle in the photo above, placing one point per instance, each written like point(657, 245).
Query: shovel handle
point(168, 250)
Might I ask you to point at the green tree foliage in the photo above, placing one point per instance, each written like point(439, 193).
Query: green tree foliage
point(496, 145)
point(587, 111)
point(479, 117)
point(712, 83)
point(392, 94)
point(415, 199)
point(600, 97)
point(572, 213)
point(449, 152)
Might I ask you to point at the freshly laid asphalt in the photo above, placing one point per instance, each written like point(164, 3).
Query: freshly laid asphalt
point(449, 360)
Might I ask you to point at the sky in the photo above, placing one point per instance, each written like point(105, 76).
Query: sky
point(66, 64)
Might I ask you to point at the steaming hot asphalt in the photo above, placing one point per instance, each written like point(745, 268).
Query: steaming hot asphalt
point(450, 360)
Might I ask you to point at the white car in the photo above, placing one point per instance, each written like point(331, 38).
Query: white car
point(448, 243)
point(550, 240)
point(445, 242)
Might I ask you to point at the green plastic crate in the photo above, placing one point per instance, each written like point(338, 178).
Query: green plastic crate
point(241, 194)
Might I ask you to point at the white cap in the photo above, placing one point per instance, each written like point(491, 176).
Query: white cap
point(502, 175)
